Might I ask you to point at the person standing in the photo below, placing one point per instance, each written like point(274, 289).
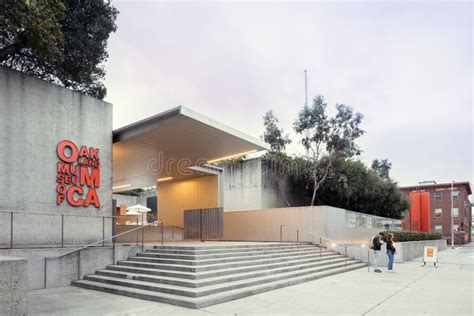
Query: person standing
point(390, 251)
point(377, 246)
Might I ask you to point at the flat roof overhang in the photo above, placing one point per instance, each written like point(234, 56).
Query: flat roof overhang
point(166, 145)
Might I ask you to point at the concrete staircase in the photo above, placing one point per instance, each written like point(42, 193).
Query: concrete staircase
point(197, 277)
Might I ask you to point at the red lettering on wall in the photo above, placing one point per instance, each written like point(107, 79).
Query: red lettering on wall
point(92, 198)
point(70, 196)
point(78, 175)
point(90, 180)
point(61, 149)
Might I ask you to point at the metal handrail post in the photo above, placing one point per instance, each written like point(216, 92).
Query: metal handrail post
point(200, 227)
point(368, 260)
point(113, 250)
point(281, 233)
point(45, 270)
point(297, 237)
point(103, 231)
point(143, 235)
point(161, 233)
point(137, 231)
point(62, 230)
point(345, 253)
point(172, 232)
point(79, 265)
point(11, 230)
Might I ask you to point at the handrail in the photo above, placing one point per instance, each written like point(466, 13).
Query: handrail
point(65, 214)
point(78, 250)
point(101, 241)
point(333, 243)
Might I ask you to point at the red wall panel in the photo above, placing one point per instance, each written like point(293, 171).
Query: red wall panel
point(425, 216)
point(415, 207)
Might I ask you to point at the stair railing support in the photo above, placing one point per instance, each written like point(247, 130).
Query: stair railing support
point(345, 253)
point(161, 233)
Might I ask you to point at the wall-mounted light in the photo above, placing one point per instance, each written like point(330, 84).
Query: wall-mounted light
point(121, 186)
point(232, 156)
point(164, 179)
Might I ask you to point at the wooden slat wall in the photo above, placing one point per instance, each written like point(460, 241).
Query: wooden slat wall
point(212, 224)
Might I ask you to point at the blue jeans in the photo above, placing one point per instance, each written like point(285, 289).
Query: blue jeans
point(390, 254)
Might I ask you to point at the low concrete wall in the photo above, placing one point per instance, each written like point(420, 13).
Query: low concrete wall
point(334, 223)
point(62, 271)
point(406, 251)
point(13, 286)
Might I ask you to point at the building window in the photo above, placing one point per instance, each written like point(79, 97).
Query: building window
point(438, 228)
point(455, 212)
point(438, 212)
point(438, 196)
point(455, 196)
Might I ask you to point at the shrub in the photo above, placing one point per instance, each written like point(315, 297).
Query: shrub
point(399, 236)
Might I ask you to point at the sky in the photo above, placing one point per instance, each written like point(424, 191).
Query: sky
point(406, 66)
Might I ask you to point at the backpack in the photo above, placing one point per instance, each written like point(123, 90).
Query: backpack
point(371, 243)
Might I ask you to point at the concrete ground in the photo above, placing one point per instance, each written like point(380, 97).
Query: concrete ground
point(411, 290)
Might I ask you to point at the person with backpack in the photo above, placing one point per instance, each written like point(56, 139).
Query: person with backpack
point(390, 251)
point(376, 245)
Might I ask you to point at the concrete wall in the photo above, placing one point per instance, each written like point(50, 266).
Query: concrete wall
point(62, 271)
point(34, 116)
point(253, 184)
point(176, 196)
point(325, 221)
point(13, 286)
point(406, 251)
point(242, 185)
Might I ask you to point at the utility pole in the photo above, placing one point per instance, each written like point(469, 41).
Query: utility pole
point(452, 216)
point(305, 88)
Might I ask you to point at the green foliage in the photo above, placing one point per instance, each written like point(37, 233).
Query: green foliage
point(382, 167)
point(273, 135)
point(354, 187)
point(327, 138)
point(60, 41)
point(400, 236)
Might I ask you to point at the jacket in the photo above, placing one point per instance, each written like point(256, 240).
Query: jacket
point(377, 243)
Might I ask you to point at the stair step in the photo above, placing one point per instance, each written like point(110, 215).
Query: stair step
point(192, 255)
point(247, 257)
point(240, 269)
point(213, 289)
point(214, 267)
point(220, 279)
point(220, 249)
point(200, 302)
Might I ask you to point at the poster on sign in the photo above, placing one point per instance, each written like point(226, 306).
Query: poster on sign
point(430, 254)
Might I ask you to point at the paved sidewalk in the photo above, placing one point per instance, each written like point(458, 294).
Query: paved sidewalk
point(412, 290)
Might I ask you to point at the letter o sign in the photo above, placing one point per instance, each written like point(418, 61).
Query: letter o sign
point(61, 150)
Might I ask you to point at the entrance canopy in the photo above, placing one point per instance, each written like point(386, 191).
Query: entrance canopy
point(164, 147)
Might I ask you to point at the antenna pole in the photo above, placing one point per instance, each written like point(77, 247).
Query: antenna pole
point(305, 88)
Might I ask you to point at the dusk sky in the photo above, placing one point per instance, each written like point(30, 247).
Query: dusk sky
point(406, 66)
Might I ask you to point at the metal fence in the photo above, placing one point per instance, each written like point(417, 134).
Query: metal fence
point(204, 224)
point(41, 229)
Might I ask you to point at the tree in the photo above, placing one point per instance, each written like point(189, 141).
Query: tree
point(63, 42)
point(327, 137)
point(351, 185)
point(382, 167)
point(273, 135)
